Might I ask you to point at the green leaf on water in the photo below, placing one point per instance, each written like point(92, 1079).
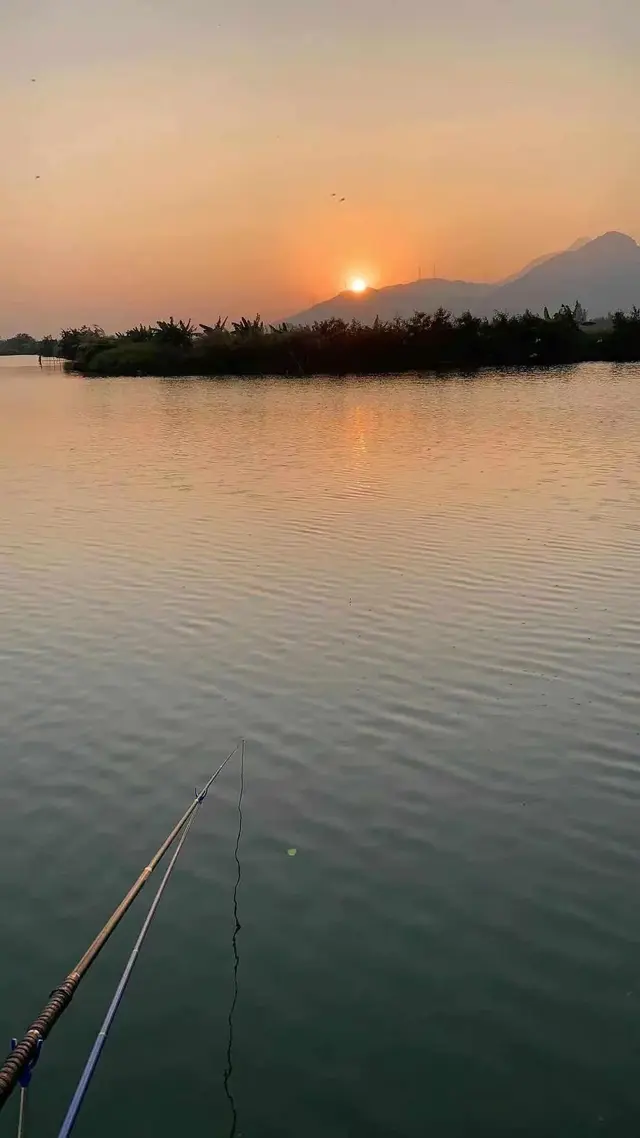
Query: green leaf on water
point(292, 853)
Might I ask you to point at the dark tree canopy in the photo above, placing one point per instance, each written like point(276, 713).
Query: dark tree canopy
point(435, 341)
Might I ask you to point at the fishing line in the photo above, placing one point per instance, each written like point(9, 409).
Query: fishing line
point(236, 962)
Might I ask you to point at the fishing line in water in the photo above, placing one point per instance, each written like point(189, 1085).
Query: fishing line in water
point(236, 962)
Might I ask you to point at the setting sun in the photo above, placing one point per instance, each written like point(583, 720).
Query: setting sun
point(358, 285)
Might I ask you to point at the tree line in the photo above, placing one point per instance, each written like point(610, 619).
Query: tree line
point(25, 345)
point(434, 341)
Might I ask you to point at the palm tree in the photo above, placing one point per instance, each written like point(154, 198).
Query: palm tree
point(177, 333)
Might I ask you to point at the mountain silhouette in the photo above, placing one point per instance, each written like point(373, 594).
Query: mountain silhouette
point(396, 300)
point(603, 274)
point(545, 257)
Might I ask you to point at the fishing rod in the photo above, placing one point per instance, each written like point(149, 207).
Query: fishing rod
point(101, 1038)
point(24, 1055)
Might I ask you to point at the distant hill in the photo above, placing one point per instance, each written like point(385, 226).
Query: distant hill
point(603, 274)
point(397, 300)
point(545, 257)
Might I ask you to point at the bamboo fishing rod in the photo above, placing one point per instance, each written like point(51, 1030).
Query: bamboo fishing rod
point(101, 1038)
point(24, 1055)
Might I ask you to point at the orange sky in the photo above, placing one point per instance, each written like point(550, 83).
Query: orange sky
point(187, 160)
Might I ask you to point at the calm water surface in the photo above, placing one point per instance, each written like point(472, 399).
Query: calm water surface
point(420, 603)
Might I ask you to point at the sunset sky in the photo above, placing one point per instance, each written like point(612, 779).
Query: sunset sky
point(181, 158)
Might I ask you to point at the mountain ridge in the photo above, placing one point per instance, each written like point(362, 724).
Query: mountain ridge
point(603, 273)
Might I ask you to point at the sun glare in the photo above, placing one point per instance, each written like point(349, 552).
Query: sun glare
point(358, 284)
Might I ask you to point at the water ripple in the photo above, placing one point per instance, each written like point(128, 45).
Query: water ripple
point(418, 602)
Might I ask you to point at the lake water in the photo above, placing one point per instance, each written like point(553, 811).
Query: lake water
point(419, 602)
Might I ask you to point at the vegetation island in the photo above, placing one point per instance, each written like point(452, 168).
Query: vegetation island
point(436, 342)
